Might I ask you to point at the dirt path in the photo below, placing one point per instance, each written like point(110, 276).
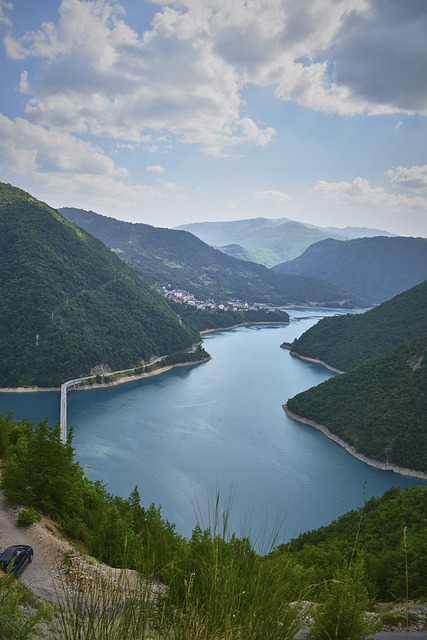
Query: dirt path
point(42, 576)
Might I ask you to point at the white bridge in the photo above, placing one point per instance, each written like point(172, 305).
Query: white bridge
point(74, 384)
point(71, 384)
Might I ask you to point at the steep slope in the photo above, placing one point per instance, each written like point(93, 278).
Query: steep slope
point(375, 268)
point(379, 407)
point(67, 303)
point(270, 241)
point(347, 341)
point(177, 258)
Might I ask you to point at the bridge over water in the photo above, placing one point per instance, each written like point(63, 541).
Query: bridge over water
point(71, 384)
point(75, 384)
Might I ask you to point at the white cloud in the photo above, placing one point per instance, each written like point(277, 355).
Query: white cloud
point(155, 168)
point(361, 193)
point(26, 147)
point(104, 79)
point(24, 85)
point(104, 194)
point(181, 81)
point(413, 178)
point(63, 169)
point(5, 7)
point(276, 196)
point(170, 186)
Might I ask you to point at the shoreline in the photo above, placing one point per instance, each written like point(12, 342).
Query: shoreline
point(124, 379)
point(295, 354)
point(383, 466)
point(101, 385)
point(242, 324)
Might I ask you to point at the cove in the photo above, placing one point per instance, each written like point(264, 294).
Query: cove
point(218, 428)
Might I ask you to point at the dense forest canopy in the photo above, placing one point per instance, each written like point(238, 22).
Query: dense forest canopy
point(346, 341)
point(379, 407)
point(67, 303)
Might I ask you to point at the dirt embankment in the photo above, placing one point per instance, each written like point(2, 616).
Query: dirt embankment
point(56, 562)
point(50, 549)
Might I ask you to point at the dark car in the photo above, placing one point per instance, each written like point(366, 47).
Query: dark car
point(16, 558)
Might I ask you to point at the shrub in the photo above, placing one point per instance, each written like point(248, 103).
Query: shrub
point(27, 517)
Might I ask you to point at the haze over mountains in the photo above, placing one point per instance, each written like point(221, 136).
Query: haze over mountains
point(183, 261)
point(270, 241)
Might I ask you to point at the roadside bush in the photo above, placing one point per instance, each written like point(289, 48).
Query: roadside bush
point(27, 517)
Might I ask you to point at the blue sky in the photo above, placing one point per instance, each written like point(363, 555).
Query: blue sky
point(170, 112)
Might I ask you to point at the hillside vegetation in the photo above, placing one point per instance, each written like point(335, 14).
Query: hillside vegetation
point(215, 584)
point(380, 527)
point(67, 303)
point(374, 268)
point(180, 260)
point(346, 341)
point(379, 407)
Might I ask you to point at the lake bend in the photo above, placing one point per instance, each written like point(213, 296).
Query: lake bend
point(218, 428)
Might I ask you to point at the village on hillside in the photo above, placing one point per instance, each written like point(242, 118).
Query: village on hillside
point(183, 297)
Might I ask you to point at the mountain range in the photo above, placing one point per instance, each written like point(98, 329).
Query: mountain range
point(270, 241)
point(181, 260)
point(374, 268)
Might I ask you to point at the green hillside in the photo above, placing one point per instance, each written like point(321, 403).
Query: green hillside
point(67, 303)
point(379, 407)
point(179, 259)
point(381, 526)
point(346, 341)
point(375, 268)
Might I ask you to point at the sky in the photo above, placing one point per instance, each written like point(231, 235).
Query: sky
point(176, 111)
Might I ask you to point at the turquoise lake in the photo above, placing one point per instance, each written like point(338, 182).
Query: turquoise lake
point(218, 428)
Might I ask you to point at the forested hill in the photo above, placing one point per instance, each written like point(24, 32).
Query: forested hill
point(346, 341)
point(178, 258)
point(67, 303)
point(379, 407)
point(375, 268)
point(381, 526)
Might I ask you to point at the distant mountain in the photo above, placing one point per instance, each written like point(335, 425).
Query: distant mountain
point(180, 260)
point(269, 241)
point(350, 233)
point(375, 268)
point(67, 303)
point(347, 341)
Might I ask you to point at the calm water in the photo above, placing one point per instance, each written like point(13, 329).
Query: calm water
point(219, 427)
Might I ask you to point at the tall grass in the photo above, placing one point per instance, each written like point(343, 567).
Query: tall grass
point(219, 588)
point(18, 619)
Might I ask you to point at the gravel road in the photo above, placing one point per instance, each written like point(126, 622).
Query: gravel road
point(41, 577)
